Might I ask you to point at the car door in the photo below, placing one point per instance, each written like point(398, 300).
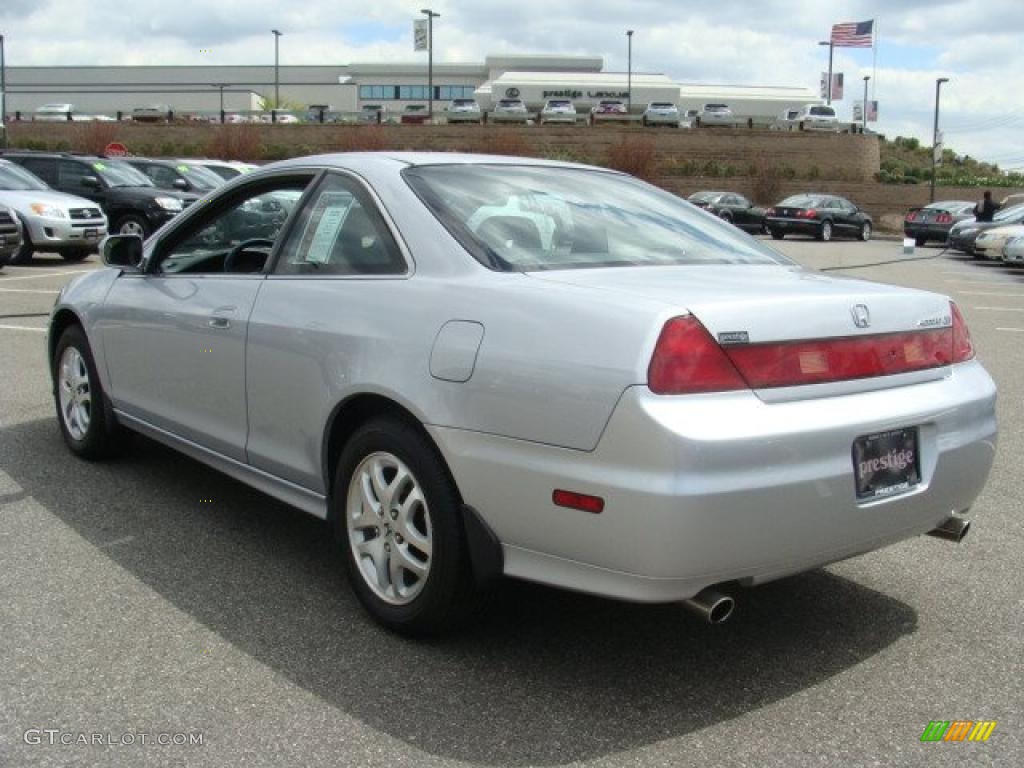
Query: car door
point(850, 216)
point(320, 324)
point(71, 176)
point(174, 334)
point(742, 212)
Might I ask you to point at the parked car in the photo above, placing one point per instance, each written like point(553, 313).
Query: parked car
point(822, 216)
point(177, 175)
point(1013, 251)
point(51, 221)
point(661, 113)
point(608, 109)
point(226, 169)
point(731, 207)
point(510, 111)
point(933, 221)
point(614, 402)
point(10, 233)
point(962, 235)
point(51, 113)
point(153, 113)
point(415, 114)
point(818, 117)
point(1011, 200)
point(717, 115)
point(558, 111)
point(787, 121)
point(990, 243)
point(131, 202)
point(463, 111)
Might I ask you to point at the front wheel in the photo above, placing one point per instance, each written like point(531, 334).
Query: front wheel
point(133, 225)
point(776, 235)
point(865, 231)
point(24, 253)
point(88, 429)
point(75, 256)
point(826, 231)
point(397, 516)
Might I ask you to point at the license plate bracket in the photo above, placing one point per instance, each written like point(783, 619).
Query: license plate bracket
point(91, 234)
point(886, 463)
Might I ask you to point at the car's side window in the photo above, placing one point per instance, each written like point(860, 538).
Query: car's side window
point(72, 173)
point(741, 201)
point(340, 232)
point(162, 177)
point(44, 168)
point(235, 237)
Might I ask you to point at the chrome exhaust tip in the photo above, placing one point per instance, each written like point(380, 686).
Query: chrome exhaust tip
point(953, 529)
point(711, 605)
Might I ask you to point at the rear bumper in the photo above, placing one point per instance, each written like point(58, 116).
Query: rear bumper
point(794, 226)
point(927, 231)
point(704, 489)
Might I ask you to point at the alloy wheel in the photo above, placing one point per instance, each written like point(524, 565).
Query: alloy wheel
point(75, 392)
point(389, 528)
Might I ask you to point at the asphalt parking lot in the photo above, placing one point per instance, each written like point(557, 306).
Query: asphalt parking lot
point(152, 595)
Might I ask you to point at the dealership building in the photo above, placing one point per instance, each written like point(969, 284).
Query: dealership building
point(349, 87)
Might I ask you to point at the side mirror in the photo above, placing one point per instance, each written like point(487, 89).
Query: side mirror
point(180, 184)
point(91, 182)
point(122, 251)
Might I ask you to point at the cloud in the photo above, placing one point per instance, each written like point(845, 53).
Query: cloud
point(730, 41)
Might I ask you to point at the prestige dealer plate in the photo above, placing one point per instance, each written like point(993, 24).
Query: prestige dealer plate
point(886, 463)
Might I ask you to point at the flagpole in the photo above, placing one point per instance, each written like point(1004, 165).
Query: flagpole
point(874, 62)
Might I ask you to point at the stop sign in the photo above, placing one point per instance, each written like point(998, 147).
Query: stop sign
point(115, 149)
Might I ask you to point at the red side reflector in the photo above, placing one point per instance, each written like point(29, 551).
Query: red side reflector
point(794, 363)
point(581, 501)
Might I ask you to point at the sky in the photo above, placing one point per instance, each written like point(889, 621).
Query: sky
point(975, 43)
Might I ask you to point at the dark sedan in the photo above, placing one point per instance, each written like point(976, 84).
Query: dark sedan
point(934, 221)
point(963, 234)
point(821, 216)
point(731, 207)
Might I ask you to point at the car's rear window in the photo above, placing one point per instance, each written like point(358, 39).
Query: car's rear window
point(559, 103)
point(823, 111)
point(715, 107)
point(510, 102)
point(528, 218)
point(464, 102)
point(662, 105)
point(802, 201)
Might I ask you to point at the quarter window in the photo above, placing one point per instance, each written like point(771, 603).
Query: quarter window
point(340, 232)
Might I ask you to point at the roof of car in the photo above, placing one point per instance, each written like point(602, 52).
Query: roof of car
point(405, 159)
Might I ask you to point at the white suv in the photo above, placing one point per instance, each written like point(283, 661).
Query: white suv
point(817, 117)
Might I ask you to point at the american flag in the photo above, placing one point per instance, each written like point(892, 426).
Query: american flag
point(853, 34)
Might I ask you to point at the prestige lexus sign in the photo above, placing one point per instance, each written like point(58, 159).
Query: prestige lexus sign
point(571, 94)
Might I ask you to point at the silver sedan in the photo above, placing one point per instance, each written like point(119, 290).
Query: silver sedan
point(484, 366)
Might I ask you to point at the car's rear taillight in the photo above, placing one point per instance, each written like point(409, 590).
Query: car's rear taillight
point(943, 218)
point(912, 216)
point(809, 213)
point(687, 360)
point(963, 347)
point(770, 212)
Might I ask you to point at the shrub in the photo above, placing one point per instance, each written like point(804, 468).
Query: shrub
point(361, 138)
point(765, 184)
point(234, 142)
point(813, 173)
point(635, 156)
point(503, 141)
point(92, 137)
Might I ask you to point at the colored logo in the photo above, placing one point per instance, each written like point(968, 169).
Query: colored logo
point(958, 730)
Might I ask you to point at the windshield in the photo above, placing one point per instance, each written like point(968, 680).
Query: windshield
point(559, 103)
point(200, 177)
point(14, 177)
point(704, 197)
point(716, 108)
point(659, 105)
point(523, 218)
point(1006, 214)
point(823, 111)
point(119, 174)
point(464, 103)
point(509, 102)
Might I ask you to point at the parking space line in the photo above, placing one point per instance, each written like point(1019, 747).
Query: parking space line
point(977, 293)
point(21, 328)
point(5, 278)
point(980, 282)
point(1002, 309)
point(25, 290)
point(1014, 330)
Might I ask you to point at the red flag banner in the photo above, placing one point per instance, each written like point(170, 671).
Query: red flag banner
point(853, 34)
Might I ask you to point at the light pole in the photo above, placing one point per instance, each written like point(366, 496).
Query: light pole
point(3, 96)
point(864, 106)
point(430, 61)
point(935, 133)
point(277, 79)
point(629, 70)
point(221, 86)
point(831, 48)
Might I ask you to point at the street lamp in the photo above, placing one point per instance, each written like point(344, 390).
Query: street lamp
point(831, 48)
point(430, 61)
point(629, 70)
point(864, 106)
point(935, 133)
point(277, 79)
point(222, 86)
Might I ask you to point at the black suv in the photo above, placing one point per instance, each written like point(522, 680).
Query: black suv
point(177, 175)
point(134, 206)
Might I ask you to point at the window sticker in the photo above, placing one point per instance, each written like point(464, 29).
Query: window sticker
point(332, 209)
point(99, 166)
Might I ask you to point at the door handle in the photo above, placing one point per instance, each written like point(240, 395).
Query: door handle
point(220, 322)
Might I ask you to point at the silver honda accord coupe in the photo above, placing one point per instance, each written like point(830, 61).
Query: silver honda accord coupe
point(481, 366)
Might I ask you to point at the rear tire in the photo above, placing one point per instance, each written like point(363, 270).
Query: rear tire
point(73, 257)
point(825, 234)
point(88, 428)
point(920, 241)
point(776, 235)
point(398, 521)
point(865, 231)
